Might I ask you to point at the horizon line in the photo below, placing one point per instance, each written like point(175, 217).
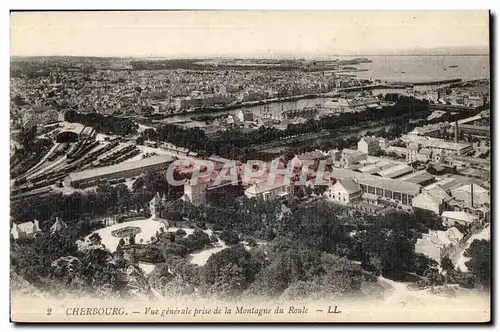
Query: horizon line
point(242, 57)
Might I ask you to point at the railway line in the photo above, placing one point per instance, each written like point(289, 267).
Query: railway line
point(65, 158)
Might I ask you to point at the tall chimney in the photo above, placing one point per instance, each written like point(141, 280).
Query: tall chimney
point(472, 194)
point(456, 129)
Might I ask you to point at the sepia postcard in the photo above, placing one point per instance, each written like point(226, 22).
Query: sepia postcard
point(250, 166)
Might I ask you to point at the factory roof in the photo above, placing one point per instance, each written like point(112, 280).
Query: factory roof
point(349, 151)
point(425, 151)
point(265, 186)
point(129, 165)
point(313, 155)
point(376, 181)
point(369, 169)
point(396, 171)
point(456, 182)
point(467, 120)
point(418, 177)
point(87, 131)
point(397, 149)
point(458, 215)
point(349, 185)
point(434, 142)
point(72, 126)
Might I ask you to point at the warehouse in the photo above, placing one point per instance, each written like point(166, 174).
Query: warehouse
point(123, 170)
point(390, 189)
point(438, 144)
point(70, 132)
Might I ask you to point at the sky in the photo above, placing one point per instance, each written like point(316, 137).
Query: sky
point(246, 34)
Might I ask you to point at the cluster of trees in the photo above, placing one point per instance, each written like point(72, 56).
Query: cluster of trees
point(107, 124)
point(341, 143)
point(479, 263)
point(168, 244)
point(246, 216)
point(285, 268)
point(310, 252)
point(106, 200)
point(235, 144)
point(238, 145)
point(383, 243)
point(54, 264)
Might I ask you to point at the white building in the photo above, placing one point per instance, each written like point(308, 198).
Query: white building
point(351, 157)
point(25, 230)
point(451, 218)
point(387, 189)
point(438, 244)
point(383, 143)
point(435, 144)
point(344, 191)
point(266, 191)
point(155, 205)
point(314, 156)
point(368, 145)
point(58, 226)
point(426, 201)
point(196, 193)
point(245, 115)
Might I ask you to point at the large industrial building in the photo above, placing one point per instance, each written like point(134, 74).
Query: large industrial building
point(438, 144)
point(128, 169)
point(398, 191)
point(74, 132)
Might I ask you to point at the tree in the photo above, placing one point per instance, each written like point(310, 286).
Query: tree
point(95, 238)
point(447, 264)
point(230, 237)
point(230, 271)
point(479, 263)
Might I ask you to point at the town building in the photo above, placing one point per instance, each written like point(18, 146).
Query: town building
point(156, 205)
point(196, 193)
point(266, 191)
point(395, 171)
point(368, 145)
point(391, 190)
point(438, 244)
point(429, 202)
point(306, 113)
point(473, 101)
point(57, 226)
point(127, 169)
point(344, 191)
point(383, 143)
point(421, 177)
point(431, 130)
point(351, 157)
point(452, 218)
point(174, 149)
point(314, 156)
point(398, 150)
point(472, 195)
point(25, 230)
point(245, 115)
point(335, 156)
point(436, 144)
